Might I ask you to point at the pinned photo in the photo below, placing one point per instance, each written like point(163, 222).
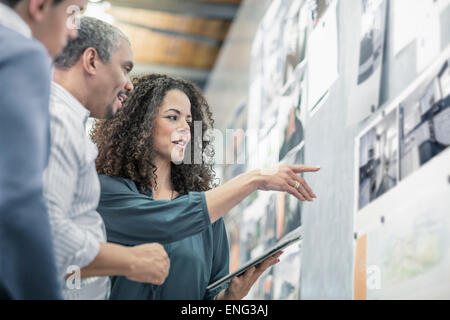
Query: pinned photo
point(372, 37)
point(425, 122)
point(378, 159)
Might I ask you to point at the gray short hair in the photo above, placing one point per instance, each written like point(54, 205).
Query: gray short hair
point(93, 33)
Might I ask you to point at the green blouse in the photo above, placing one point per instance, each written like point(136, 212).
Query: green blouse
point(198, 250)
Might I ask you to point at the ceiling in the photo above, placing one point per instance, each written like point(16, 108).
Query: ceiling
point(175, 37)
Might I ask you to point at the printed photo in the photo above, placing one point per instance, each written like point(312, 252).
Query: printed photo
point(372, 37)
point(425, 122)
point(318, 8)
point(378, 159)
point(269, 223)
point(295, 34)
point(289, 120)
point(272, 50)
point(233, 232)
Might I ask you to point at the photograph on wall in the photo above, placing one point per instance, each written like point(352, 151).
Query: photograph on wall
point(444, 79)
point(417, 21)
point(318, 9)
point(372, 37)
point(281, 209)
point(253, 119)
point(236, 145)
point(428, 42)
point(272, 65)
point(255, 90)
point(289, 214)
point(268, 119)
point(407, 257)
point(269, 222)
point(295, 35)
point(293, 214)
point(365, 92)
point(425, 122)
point(233, 233)
point(286, 275)
point(292, 134)
point(322, 57)
point(378, 159)
point(290, 126)
point(272, 49)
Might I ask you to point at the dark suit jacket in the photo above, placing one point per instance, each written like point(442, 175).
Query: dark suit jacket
point(27, 263)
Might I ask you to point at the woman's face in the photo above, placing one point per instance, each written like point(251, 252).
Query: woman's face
point(172, 126)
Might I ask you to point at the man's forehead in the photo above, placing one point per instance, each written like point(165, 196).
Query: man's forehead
point(124, 51)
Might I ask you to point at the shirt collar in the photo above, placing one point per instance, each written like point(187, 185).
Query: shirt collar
point(10, 19)
point(72, 102)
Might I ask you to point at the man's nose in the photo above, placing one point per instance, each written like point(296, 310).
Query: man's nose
point(129, 85)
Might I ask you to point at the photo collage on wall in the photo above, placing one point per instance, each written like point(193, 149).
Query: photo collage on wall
point(278, 50)
point(277, 110)
point(416, 129)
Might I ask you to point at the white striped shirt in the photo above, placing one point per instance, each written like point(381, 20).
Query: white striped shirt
point(72, 193)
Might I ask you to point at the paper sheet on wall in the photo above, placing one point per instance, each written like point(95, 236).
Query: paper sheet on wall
point(418, 20)
point(322, 57)
point(365, 90)
point(428, 35)
point(410, 254)
point(406, 15)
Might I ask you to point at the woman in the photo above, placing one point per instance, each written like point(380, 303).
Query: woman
point(146, 197)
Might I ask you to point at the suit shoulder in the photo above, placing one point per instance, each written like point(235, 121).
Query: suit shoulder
point(22, 50)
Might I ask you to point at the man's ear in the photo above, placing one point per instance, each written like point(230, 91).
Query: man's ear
point(90, 61)
point(38, 9)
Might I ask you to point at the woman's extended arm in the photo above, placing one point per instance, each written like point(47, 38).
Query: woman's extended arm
point(283, 178)
point(133, 218)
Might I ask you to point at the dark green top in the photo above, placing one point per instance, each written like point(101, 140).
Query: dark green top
point(198, 250)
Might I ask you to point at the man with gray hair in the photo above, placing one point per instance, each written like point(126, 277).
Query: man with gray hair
point(91, 78)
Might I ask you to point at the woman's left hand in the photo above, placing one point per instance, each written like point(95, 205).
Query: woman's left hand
point(241, 285)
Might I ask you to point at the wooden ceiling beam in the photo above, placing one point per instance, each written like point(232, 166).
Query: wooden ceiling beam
point(177, 34)
point(211, 10)
point(154, 47)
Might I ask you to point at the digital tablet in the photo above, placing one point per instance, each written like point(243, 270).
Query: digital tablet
point(289, 239)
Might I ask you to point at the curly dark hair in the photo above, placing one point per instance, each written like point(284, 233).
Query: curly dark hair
point(125, 143)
